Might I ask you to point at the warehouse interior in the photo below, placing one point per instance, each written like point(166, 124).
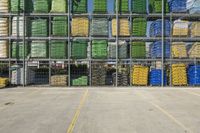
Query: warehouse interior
point(99, 43)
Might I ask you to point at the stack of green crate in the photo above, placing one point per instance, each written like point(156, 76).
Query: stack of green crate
point(59, 6)
point(59, 50)
point(100, 6)
point(81, 81)
point(18, 5)
point(99, 49)
point(139, 6)
point(123, 6)
point(79, 6)
point(79, 49)
point(39, 49)
point(41, 6)
point(39, 28)
point(139, 27)
point(138, 50)
point(99, 27)
point(60, 26)
point(18, 50)
point(155, 6)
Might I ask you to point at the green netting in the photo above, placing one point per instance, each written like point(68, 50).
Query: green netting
point(79, 6)
point(39, 49)
point(139, 27)
point(139, 6)
point(99, 49)
point(122, 50)
point(59, 50)
point(155, 6)
point(60, 26)
point(123, 6)
point(59, 6)
point(100, 6)
point(18, 5)
point(39, 28)
point(99, 27)
point(18, 50)
point(81, 81)
point(138, 50)
point(41, 6)
point(79, 49)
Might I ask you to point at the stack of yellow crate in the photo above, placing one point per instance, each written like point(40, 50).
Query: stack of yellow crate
point(180, 28)
point(194, 51)
point(179, 74)
point(195, 29)
point(59, 80)
point(3, 82)
point(123, 27)
point(4, 6)
point(80, 27)
point(4, 27)
point(3, 49)
point(140, 75)
point(179, 50)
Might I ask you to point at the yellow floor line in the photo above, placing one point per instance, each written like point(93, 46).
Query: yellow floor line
point(167, 114)
point(77, 113)
point(192, 93)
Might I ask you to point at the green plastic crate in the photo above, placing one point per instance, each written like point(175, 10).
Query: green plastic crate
point(99, 27)
point(79, 49)
point(59, 50)
point(39, 49)
point(41, 6)
point(60, 26)
point(39, 28)
point(18, 50)
point(139, 6)
point(99, 49)
point(123, 6)
point(79, 6)
point(81, 81)
point(139, 27)
point(18, 6)
point(100, 6)
point(59, 6)
point(155, 6)
point(138, 50)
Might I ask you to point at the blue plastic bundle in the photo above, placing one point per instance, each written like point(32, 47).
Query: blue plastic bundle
point(156, 28)
point(156, 49)
point(156, 77)
point(193, 6)
point(177, 5)
point(194, 75)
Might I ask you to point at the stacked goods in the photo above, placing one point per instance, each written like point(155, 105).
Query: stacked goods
point(59, 80)
point(60, 26)
point(122, 77)
point(139, 27)
point(123, 6)
point(59, 50)
point(179, 50)
point(156, 28)
point(155, 6)
point(138, 50)
point(180, 28)
point(80, 81)
point(18, 6)
point(156, 49)
point(41, 6)
point(80, 27)
point(123, 27)
point(156, 77)
point(59, 6)
point(193, 6)
point(39, 49)
point(4, 6)
point(4, 27)
point(39, 28)
point(179, 75)
point(100, 6)
point(194, 51)
point(122, 50)
point(140, 75)
point(18, 50)
point(17, 26)
point(139, 6)
point(79, 49)
point(3, 49)
point(194, 75)
point(99, 27)
point(3, 82)
point(98, 75)
point(195, 29)
point(99, 49)
point(79, 6)
point(177, 5)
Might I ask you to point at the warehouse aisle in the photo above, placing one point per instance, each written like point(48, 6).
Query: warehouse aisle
point(105, 110)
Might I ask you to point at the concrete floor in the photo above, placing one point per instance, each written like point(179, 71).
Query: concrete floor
point(99, 110)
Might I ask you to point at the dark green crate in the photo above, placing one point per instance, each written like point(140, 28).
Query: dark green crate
point(79, 6)
point(60, 26)
point(123, 6)
point(155, 6)
point(139, 6)
point(18, 50)
point(79, 49)
point(139, 26)
point(138, 50)
point(41, 6)
point(100, 6)
point(39, 28)
point(18, 6)
point(99, 49)
point(80, 81)
point(59, 50)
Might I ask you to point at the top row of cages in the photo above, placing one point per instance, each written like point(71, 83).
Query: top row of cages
point(99, 6)
point(96, 27)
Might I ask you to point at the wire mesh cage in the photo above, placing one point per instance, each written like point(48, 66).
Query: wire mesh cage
point(80, 27)
point(139, 26)
point(59, 49)
point(4, 29)
point(195, 29)
point(139, 6)
point(123, 27)
point(99, 27)
point(4, 6)
point(180, 28)
point(19, 50)
point(156, 49)
point(100, 6)
point(59, 6)
point(194, 74)
point(155, 6)
point(138, 50)
point(79, 6)
point(4, 49)
point(60, 26)
point(4, 74)
point(17, 6)
point(194, 51)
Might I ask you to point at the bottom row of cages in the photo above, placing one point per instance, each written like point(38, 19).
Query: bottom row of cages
point(99, 74)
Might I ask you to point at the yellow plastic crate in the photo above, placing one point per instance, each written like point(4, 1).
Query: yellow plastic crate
point(3, 82)
point(140, 75)
point(180, 28)
point(80, 27)
point(194, 51)
point(195, 29)
point(179, 74)
point(3, 49)
point(123, 27)
point(179, 50)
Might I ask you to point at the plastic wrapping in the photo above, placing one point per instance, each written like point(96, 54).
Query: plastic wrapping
point(139, 27)
point(4, 27)
point(59, 6)
point(98, 74)
point(122, 50)
point(39, 28)
point(59, 80)
point(177, 5)
point(100, 6)
point(180, 28)
point(39, 49)
point(156, 49)
point(194, 75)
point(123, 6)
point(4, 6)
point(179, 50)
point(41, 6)
point(79, 6)
point(60, 26)
point(59, 50)
point(195, 29)
point(138, 50)
point(3, 49)
point(194, 51)
point(155, 6)
point(155, 77)
point(17, 50)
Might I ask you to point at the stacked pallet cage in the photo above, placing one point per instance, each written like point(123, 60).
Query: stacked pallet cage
point(4, 74)
point(60, 26)
point(19, 50)
point(99, 27)
point(17, 6)
point(156, 49)
point(139, 26)
point(39, 49)
point(123, 27)
point(41, 6)
point(179, 50)
point(180, 28)
point(155, 77)
point(123, 6)
point(4, 6)
point(195, 29)
point(122, 76)
point(140, 75)
point(59, 6)
point(194, 75)
point(98, 76)
point(4, 29)
point(138, 50)
point(155, 6)
point(39, 28)
point(194, 51)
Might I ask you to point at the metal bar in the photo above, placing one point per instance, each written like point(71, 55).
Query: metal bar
point(163, 49)
point(24, 38)
point(170, 84)
point(69, 42)
point(10, 46)
point(117, 39)
point(49, 22)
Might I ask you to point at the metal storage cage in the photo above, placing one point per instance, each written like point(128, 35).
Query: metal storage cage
point(41, 44)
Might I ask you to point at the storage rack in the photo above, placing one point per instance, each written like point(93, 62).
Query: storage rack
point(89, 60)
